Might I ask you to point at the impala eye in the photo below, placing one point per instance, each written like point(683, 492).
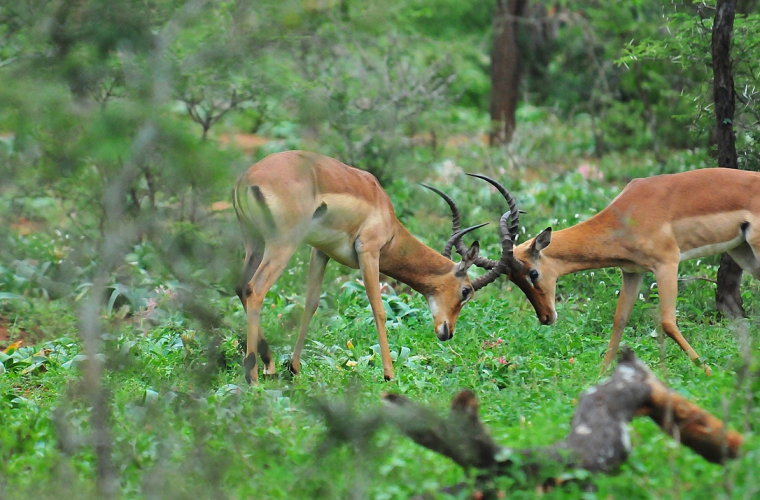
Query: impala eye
point(533, 275)
point(466, 292)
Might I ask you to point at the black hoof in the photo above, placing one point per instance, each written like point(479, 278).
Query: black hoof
point(292, 369)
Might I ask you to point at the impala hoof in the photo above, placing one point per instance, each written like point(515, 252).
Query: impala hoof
point(698, 361)
point(270, 368)
point(294, 370)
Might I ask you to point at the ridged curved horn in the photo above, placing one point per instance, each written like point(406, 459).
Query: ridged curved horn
point(457, 237)
point(455, 217)
point(515, 214)
point(507, 260)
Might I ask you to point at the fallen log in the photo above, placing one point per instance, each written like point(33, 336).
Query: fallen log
point(598, 441)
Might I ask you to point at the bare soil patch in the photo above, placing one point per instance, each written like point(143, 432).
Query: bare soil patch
point(6, 337)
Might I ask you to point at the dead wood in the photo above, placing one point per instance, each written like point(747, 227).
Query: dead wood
point(690, 424)
point(599, 438)
point(598, 441)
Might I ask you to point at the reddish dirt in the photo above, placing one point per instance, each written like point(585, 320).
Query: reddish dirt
point(5, 335)
point(247, 143)
point(24, 226)
point(452, 141)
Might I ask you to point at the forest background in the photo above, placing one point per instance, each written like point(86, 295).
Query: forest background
point(123, 126)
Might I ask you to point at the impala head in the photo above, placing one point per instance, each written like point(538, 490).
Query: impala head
point(453, 291)
point(521, 264)
point(536, 276)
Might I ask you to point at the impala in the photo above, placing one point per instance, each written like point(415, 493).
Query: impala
point(343, 213)
point(651, 226)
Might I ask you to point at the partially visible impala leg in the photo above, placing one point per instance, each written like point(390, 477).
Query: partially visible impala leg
point(629, 292)
point(317, 265)
point(273, 262)
point(369, 262)
point(667, 284)
point(746, 257)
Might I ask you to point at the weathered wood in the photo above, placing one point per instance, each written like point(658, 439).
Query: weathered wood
point(690, 424)
point(599, 438)
point(598, 441)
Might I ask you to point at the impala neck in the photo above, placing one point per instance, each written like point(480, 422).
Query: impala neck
point(410, 261)
point(591, 244)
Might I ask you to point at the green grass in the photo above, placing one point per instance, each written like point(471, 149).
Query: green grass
point(182, 430)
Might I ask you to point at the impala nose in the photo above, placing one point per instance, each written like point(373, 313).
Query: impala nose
point(443, 332)
point(548, 319)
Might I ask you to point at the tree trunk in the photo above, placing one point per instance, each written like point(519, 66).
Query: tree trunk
point(505, 70)
point(727, 296)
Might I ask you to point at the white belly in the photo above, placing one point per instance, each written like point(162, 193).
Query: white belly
point(712, 249)
point(336, 244)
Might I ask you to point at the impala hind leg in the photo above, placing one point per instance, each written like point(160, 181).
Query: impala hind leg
point(317, 265)
point(254, 252)
point(667, 284)
point(629, 291)
point(369, 262)
point(272, 264)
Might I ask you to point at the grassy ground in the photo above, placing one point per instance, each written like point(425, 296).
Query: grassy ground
point(180, 428)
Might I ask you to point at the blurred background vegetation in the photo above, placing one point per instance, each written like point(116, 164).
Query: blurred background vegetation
point(123, 126)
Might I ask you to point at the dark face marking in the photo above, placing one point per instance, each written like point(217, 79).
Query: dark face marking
point(320, 211)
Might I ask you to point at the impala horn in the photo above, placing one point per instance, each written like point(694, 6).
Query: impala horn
point(507, 261)
point(515, 214)
point(455, 219)
point(457, 237)
point(508, 226)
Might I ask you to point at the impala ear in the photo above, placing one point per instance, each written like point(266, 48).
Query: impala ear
point(541, 241)
point(468, 259)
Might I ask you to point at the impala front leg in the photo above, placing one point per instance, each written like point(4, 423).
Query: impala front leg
point(667, 283)
point(317, 265)
point(369, 263)
point(628, 294)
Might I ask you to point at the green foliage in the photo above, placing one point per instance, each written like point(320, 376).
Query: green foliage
point(688, 47)
point(177, 432)
point(110, 196)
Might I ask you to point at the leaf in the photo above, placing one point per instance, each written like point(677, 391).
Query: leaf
point(36, 363)
point(112, 300)
point(13, 347)
point(122, 312)
point(404, 354)
point(149, 397)
point(75, 361)
point(9, 296)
